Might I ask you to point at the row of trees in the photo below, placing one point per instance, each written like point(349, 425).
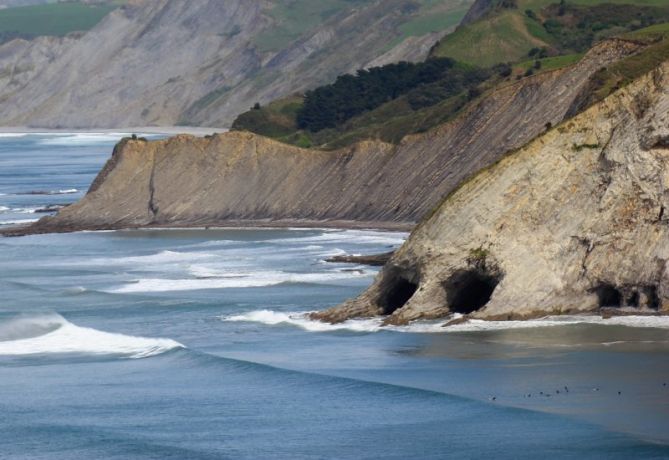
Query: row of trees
point(332, 105)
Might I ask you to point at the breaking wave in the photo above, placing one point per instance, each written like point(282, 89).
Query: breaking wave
point(348, 236)
point(53, 334)
point(5, 209)
point(300, 319)
point(66, 139)
point(18, 221)
point(210, 279)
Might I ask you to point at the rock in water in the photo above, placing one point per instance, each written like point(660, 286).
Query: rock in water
point(572, 222)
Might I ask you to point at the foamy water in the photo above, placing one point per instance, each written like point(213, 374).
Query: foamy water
point(17, 221)
point(233, 280)
point(67, 139)
point(301, 320)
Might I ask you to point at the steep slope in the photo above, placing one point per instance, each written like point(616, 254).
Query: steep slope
point(163, 62)
point(244, 177)
point(574, 221)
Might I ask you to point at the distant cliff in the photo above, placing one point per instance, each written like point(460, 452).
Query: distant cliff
point(168, 62)
point(244, 178)
point(575, 221)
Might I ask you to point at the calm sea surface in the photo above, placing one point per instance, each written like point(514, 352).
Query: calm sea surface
point(192, 344)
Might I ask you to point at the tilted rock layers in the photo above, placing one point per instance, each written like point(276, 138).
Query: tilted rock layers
point(574, 221)
point(241, 177)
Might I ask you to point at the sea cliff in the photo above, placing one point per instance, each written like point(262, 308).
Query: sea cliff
point(575, 221)
point(240, 178)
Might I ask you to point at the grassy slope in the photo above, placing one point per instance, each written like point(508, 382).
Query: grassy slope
point(53, 19)
point(503, 38)
point(508, 36)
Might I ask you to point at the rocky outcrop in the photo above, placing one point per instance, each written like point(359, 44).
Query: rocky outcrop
point(372, 259)
point(241, 178)
point(168, 62)
point(575, 221)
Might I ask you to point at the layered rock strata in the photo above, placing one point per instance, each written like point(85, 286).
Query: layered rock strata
point(575, 221)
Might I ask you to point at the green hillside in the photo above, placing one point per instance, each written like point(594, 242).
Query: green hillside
point(55, 19)
point(514, 27)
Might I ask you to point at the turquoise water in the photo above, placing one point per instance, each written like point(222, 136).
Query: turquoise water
point(192, 344)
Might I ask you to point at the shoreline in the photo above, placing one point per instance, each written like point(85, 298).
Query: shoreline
point(169, 130)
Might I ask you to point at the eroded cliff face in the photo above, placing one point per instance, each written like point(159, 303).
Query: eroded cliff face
point(575, 221)
point(240, 177)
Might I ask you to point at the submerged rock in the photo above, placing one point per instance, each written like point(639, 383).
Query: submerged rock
point(575, 221)
point(373, 259)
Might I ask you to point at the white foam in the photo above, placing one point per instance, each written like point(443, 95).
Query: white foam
point(13, 135)
point(17, 222)
point(65, 139)
point(160, 258)
point(4, 208)
point(53, 334)
point(300, 319)
point(22, 210)
point(68, 191)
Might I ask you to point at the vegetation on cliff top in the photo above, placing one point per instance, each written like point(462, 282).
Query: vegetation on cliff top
point(390, 102)
point(510, 30)
point(425, 84)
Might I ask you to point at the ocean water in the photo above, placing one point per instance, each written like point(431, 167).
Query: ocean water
point(193, 344)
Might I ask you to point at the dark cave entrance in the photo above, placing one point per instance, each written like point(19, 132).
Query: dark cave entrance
point(469, 290)
point(609, 296)
point(396, 292)
point(652, 299)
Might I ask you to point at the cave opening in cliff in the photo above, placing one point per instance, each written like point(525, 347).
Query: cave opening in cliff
point(469, 290)
point(608, 296)
point(651, 299)
point(397, 293)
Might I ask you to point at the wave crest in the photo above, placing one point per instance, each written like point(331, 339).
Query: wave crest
point(53, 334)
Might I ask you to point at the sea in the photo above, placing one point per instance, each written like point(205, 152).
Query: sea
point(195, 344)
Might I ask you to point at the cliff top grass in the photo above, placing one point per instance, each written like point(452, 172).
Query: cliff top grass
point(54, 19)
point(513, 27)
